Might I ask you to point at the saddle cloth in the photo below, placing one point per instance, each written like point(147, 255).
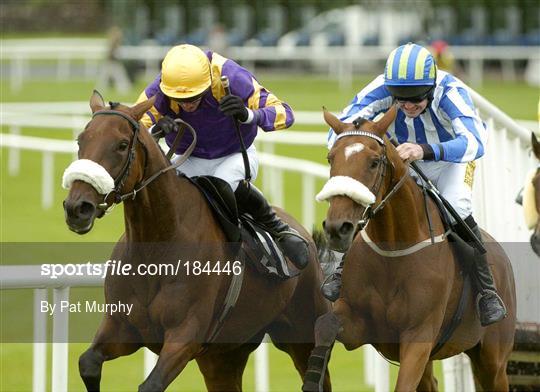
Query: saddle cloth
point(257, 245)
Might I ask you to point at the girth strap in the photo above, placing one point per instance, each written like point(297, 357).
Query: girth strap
point(229, 303)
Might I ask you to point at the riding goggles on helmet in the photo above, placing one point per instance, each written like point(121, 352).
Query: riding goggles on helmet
point(415, 99)
point(193, 99)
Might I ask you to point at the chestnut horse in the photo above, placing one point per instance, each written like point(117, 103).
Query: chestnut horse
point(168, 218)
point(531, 199)
point(400, 288)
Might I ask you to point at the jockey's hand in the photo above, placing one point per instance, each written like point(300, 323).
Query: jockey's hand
point(233, 105)
point(410, 152)
point(164, 126)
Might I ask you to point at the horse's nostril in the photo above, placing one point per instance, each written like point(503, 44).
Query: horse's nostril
point(324, 224)
point(346, 228)
point(86, 209)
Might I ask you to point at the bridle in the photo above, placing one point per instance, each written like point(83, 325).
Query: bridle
point(385, 166)
point(124, 172)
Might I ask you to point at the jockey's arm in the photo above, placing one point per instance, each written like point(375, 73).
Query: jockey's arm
point(150, 117)
point(267, 110)
point(467, 128)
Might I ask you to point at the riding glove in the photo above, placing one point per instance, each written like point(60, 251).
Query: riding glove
point(232, 105)
point(164, 126)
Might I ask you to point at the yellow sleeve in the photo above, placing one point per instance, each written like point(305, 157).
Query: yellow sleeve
point(146, 118)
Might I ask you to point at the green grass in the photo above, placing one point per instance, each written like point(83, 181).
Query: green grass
point(23, 220)
point(345, 369)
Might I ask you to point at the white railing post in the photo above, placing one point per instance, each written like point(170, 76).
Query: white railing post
point(268, 172)
point(382, 374)
point(63, 68)
point(75, 132)
point(16, 74)
point(308, 201)
point(457, 374)
point(376, 370)
point(369, 365)
point(150, 360)
point(14, 155)
point(39, 360)
point(276, 182)
point(47, 185)
point(262, 383)
point(60, 341)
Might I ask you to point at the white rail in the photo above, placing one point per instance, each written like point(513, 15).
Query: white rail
point(340, 60)
point(29, 277)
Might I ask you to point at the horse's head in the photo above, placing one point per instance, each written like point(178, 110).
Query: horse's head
point(360, 172)
point(531, 199)
point(108, 162)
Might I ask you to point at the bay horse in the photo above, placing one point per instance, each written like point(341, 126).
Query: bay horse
point(531, 199)
point(168, 218)
point(400, 289)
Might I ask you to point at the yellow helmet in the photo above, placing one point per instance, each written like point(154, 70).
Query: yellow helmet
point(185, 72)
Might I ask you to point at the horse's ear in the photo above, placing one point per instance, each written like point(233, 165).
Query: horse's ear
point(334, 123)
point(382, 125)
point(96, 102)
point(138, 110)
point(535, 145)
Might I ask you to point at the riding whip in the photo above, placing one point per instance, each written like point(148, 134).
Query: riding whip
point(467, 231)
point(247, 171)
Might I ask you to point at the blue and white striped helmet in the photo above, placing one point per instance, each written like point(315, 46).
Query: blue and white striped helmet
point(410, 71)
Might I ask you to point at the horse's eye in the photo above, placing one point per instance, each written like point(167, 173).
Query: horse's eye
point(375, 163)
point(123, 145)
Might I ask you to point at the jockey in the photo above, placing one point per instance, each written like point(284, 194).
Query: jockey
point(189, 88)
point(437, 125)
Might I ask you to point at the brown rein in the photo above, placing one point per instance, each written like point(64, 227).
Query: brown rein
point(119, 181)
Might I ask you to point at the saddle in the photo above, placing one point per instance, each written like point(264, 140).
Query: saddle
point(256, 244)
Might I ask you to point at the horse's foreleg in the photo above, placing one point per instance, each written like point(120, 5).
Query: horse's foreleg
point(180, 345)
point(428, 382)
point(223, 370)
point(112, 340)
point(327, 328)
point(413, 357)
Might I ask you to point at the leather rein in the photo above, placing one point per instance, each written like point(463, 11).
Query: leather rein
point(124, 173)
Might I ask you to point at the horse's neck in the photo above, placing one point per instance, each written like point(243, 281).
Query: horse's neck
point(403, 220)
point(168, 209)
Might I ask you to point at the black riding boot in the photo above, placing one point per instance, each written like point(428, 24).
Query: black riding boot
point(331, 286)
point(252, 201)
point(489, 305)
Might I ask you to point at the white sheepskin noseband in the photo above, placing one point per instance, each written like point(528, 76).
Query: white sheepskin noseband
point(90, 172)
point(346, 186)
point(529, 201)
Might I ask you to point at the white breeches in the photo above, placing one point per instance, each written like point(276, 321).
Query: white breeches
point(229, 168)
point(454, 181)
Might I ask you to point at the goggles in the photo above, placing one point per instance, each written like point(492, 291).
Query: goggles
point(416, 99)
point(193, 99)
